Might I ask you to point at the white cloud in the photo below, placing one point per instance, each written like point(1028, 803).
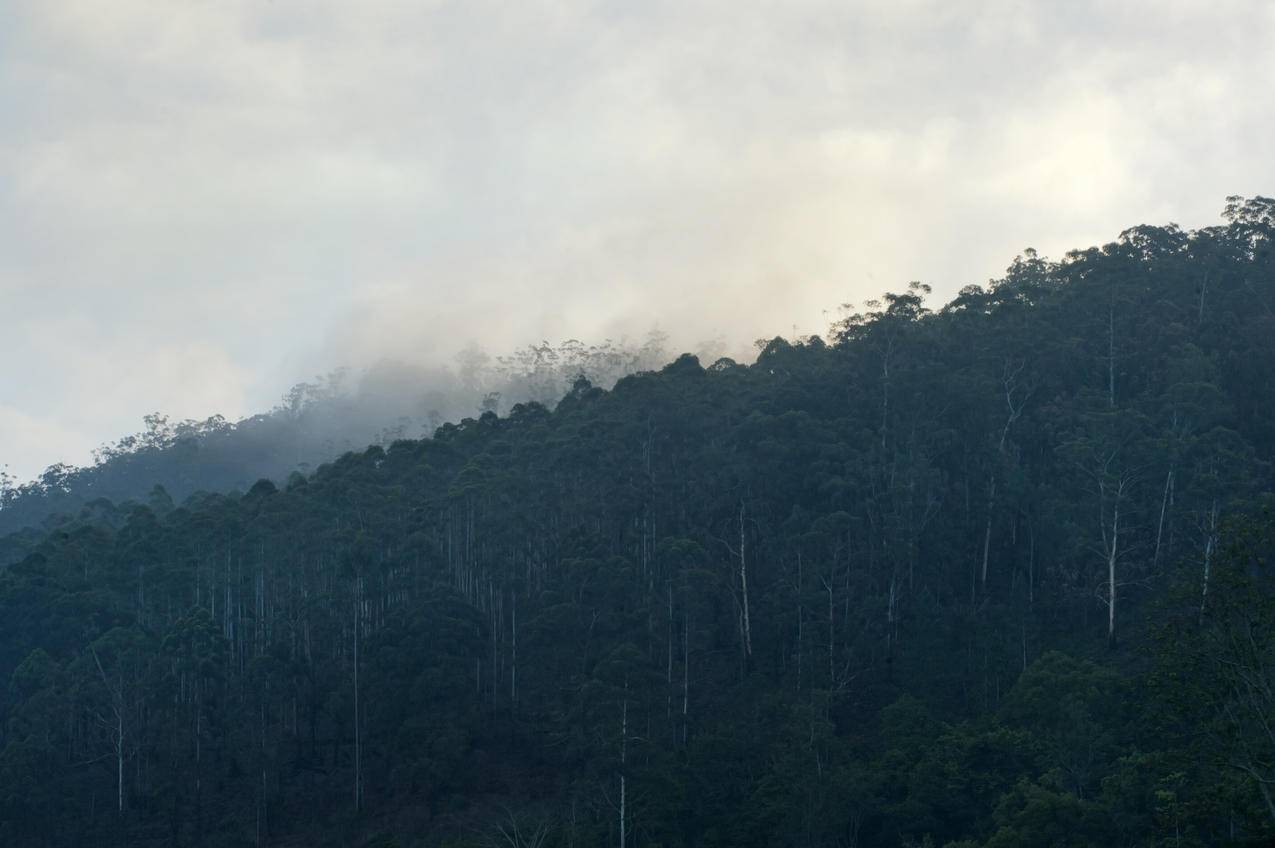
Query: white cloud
point(202, 202)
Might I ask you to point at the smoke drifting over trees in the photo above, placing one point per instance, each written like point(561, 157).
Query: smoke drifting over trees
point(318, 420)
point(998, 573)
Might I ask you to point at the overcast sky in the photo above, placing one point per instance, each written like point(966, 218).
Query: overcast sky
point(202, 202)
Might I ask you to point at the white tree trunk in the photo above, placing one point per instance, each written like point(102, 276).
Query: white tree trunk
point(624, 750)
point(119, 761)
point(513, 671)
point(1164, 508)
point(117, 707)
point(987, 530)
point(686, 671)
point(799, 623)
point(743, 582)
point(1010, 384)
point(828, 587)
point(668, 679)
point(358, 751)
point(1111, 353)
point(1112, 552)
point(1210, 542)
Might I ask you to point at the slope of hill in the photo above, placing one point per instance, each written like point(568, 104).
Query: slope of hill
point(991, 575)
point(314, 423)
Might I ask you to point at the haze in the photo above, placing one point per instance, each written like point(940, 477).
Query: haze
point(203, 203)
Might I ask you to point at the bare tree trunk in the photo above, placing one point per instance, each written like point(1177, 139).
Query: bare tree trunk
point(1111, 352)
point(1112, 552)
point(832, 675)
point(262, 821)
point(743, 582)
point(199, 770)
point(686, 671)
point(668, 680)
point(885, 391)
point(1164, 508)
point(799, 622)
point(1031, 563)
point(891, 604)
point(1024, 635)
point(119, 760)
point(358, 745)
point(117, 707)
point(1009, 382)
point(513, 653)
point(624, 751)
point(987, 530)
point(1210, 542)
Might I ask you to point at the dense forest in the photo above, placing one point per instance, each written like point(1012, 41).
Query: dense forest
point(316, 421)
point(992, 574)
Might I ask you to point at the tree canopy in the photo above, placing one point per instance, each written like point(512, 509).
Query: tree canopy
point(989, 574)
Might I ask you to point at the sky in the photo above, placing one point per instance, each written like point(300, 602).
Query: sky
point(204, 202)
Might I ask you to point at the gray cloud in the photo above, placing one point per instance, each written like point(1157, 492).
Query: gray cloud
point(203, 202)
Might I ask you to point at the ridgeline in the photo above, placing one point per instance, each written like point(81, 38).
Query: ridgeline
point(996, 574)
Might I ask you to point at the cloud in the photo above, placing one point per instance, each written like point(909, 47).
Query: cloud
point(25, 435)
point(259, 191)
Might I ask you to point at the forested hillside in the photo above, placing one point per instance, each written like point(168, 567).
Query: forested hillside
point(315, 422)
point(996, 574)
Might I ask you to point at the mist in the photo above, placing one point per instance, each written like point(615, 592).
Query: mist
point(203, 205)
point(576, 422)
point(316, 421)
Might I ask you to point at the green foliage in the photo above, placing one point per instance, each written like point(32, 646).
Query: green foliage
point(994, 574)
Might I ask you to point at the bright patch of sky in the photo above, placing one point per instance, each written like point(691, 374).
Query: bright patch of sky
point(202, 203)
